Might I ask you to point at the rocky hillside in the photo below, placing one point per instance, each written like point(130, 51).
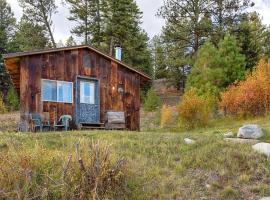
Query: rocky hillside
point(168, 94)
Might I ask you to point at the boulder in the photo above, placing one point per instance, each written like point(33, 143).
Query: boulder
point(263, 148)
point(189, 141)
point(250, 131)
point(228, 135)
point(243, 141)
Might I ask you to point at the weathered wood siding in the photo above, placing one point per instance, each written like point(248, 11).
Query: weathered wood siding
point(66, 66)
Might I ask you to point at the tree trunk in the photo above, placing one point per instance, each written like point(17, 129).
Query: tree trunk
point(111, 46)
point(51, 36)
point(99, 22)
point(86, 24)
point(47, 24)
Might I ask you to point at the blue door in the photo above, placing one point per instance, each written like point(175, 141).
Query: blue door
point(88, 101)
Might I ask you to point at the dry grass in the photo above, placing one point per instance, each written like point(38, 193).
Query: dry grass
point(90, 172)
point(9, 121)
point(159, 165)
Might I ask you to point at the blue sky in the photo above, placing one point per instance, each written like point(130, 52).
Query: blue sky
point(151, 23)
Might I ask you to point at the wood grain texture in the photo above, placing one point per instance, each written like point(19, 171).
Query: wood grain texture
point(66, 65)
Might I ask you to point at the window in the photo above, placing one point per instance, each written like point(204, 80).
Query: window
point(87, 92)
point(64, 92)
point(86, 60)
point(57, 91)
point(49, 90)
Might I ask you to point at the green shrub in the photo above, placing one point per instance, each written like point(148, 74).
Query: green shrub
point(12, 99)
point(152, 101)
point(3, 108)
point(194, 110)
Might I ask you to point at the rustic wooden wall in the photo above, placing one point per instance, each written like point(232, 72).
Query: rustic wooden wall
point(65, 66)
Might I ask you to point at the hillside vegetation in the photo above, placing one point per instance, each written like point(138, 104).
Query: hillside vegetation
point(158, 165)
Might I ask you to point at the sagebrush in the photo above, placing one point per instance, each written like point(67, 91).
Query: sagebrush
point(89, 172)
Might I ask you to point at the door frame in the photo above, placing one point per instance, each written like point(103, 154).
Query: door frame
point(87, 78)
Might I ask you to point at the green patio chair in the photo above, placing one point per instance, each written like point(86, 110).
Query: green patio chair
point(63, 122)
point(36, 121)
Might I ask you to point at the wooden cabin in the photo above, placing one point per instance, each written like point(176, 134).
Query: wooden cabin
point(79, 81)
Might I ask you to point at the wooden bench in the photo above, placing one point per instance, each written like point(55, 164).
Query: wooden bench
point(115, 120)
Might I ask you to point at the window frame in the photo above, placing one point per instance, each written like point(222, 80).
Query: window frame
point(57, 101)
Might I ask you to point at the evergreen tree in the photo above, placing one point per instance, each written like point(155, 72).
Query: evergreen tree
point(251, 34)
point(207, 75)
point(216, 68)
point(109, 23)
point(25, 30)
point(7, 24)
point(40, 12)
point(70, 42)
point(232, 61)
point(266, 43)
point(123, 19)
point(159, 58)
point(187, 22)
point(89, 15)
point(152, 101)
point(226, 14)
point(12, 99)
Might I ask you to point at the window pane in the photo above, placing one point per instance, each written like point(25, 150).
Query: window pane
point(86, 60)
point(64, 92)
point(87, 92)
point(49, 90)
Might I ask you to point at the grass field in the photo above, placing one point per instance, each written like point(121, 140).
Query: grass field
point(160, 165)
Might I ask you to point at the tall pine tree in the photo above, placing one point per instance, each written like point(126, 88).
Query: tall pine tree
point(7, 24)
point(41, 12)
point(109, 23)
point(187, 22)
point(225, 15)
point(89, 16)
point(123, 19)
point(159, 58)
point(251, 34)
point(26, 29)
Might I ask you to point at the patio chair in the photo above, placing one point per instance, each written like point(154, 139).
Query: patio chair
point(63, 122)
point(46, 124)
point(36, 121)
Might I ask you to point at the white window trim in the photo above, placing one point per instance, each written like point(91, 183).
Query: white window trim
point(56, 91)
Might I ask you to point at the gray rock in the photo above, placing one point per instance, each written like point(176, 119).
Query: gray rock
point(265, 198)
point(189, 141)
point(243, 141)
point(250, 131)
point(263, 148)
point(228, 135)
